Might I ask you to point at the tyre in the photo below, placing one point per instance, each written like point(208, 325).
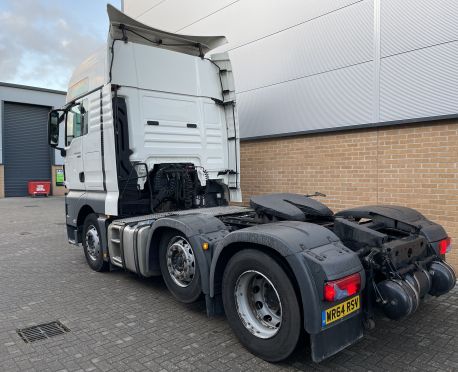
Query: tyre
point(261, 305)
point(179, 267)
point(92, 244)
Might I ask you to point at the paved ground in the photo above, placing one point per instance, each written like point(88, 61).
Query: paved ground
point(122, 323)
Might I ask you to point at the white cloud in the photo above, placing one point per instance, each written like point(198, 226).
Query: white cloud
point(41, 43)
point(62, 23)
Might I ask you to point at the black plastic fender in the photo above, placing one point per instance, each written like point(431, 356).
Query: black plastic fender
point(406, 218)
point(289, 207)
point(314, 254)
point(198, 228)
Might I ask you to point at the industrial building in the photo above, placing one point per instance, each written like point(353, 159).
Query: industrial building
point(357, 99)
point(24, 151)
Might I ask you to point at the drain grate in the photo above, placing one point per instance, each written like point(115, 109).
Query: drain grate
point(42, 331)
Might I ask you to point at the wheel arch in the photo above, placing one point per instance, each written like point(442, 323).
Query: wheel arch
point(84, 211)
point(217, 271)
point(285, 242)
point(153, 247)
point(197, 229)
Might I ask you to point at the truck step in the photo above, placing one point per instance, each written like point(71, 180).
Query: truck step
point(116, 260)
point(114, 246)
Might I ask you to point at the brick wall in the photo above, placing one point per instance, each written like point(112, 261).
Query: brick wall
point(56, 190)
point(412, 165)
point(2, 183)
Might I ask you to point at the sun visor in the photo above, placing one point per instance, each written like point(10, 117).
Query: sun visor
point(122, 26)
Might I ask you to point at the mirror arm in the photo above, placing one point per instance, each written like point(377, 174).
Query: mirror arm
point(63, 152)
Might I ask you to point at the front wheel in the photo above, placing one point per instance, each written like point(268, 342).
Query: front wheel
point(261, 305)
point(92, 244)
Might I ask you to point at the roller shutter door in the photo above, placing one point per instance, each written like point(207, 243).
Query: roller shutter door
point(26, 153)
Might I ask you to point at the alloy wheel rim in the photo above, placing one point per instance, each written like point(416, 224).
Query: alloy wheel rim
point(180, 261)
point(258, 304)
point(93, 243)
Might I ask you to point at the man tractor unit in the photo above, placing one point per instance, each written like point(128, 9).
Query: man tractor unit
point(151, 145)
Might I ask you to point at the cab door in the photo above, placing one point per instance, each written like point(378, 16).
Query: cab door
point(74, 164)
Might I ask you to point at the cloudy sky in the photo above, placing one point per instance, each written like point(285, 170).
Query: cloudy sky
point(41, 41)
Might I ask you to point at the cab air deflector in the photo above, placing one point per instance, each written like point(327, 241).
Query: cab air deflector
point(121, 24)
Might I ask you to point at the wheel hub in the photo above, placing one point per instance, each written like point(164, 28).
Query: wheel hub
point(180, 261)
point(258, 304)
point(92, 243)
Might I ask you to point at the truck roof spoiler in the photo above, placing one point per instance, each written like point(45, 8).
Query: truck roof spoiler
point(122, 27)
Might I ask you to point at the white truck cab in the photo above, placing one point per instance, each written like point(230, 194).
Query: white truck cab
point(149, 103)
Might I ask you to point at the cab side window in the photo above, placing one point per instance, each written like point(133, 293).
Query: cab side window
point(77, 121)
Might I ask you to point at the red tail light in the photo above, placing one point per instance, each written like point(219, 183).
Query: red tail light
point(338, 289)
point(445, 245)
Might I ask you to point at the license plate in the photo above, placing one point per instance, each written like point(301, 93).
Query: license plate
point(339, 311)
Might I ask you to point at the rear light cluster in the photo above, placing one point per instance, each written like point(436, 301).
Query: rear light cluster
point(336, 290)
point(445, 245)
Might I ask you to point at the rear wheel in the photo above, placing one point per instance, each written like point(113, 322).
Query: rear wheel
point(261, 305)
point(179, 267)
point(92, 244)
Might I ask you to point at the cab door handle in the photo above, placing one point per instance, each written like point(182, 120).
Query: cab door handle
point(81, 175)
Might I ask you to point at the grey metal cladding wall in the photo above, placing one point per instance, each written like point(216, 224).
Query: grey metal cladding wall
point(136, 8)
point(26, 151)
point(336, 40)
point(412, 24)
point(175, 15)
point(419, 65)
point(316, 75)
point(248, 20)
point(422, 83)
point(338, 98)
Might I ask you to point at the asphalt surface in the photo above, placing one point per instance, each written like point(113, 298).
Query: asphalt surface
point(119, 322)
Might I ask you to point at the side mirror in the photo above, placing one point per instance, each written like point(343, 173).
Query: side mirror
point(55, 118)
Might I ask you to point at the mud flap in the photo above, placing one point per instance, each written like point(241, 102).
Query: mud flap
point(334, 339)
point(72, 235)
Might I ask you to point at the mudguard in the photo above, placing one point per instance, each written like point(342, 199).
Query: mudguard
point(198, 228)
point(290, 207)
point(314, 253)
point(405, 218)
